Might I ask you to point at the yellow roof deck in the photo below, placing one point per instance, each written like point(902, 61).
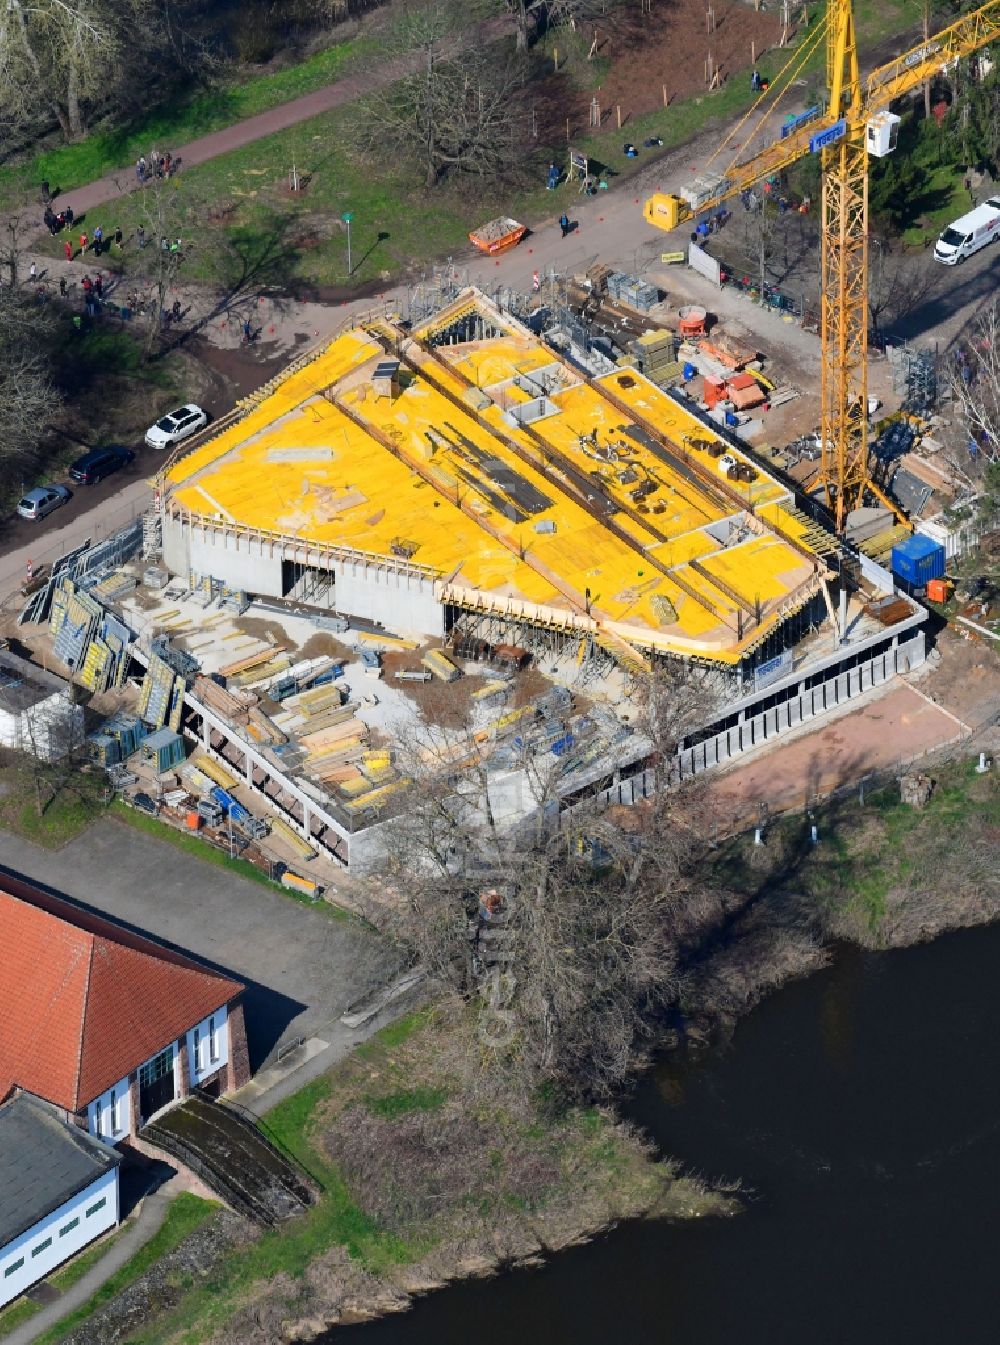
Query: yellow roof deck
point(539, 519)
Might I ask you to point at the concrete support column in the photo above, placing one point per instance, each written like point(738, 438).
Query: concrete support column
point(182, 1074)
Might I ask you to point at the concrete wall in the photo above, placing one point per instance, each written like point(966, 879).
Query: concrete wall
point(67, 1230)
point(767, 725)
point(241, 562)
point(401, 602)
point(210, 1052)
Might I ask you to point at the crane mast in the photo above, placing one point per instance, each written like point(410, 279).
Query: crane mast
point(841, 136)
point(844, 279)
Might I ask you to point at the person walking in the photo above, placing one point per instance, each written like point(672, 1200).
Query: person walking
point(62, 287)
point(98, 241)
point(167, 162)
point(118, 237)
point(69, 217)
point(46, 194)
point(564, 223)
point(536, 281)
point(84, 240)
point(32, 271)
point(99, 285)
point(68, 249)
point(140, 236)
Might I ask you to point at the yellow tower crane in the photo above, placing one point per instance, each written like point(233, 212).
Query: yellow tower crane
point(857, 122)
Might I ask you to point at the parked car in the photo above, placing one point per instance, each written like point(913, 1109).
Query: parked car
point(177, 425)
point(42, 500)
point(99, 463)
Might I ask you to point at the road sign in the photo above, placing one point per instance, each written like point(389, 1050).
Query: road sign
point(828, 137)
point(347, 216)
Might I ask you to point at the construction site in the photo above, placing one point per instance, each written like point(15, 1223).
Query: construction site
point(472, 523)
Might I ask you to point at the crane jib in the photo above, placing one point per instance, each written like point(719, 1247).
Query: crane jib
point(828, 137)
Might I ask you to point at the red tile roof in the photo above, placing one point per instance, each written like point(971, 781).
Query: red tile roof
point(83, 1001)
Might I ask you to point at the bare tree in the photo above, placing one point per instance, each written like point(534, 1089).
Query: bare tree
point(898, 283)
point(28, 400)
point(566, 935)
point(158, 252)
point(457, 111)
point(55, 56)
point(976, 382)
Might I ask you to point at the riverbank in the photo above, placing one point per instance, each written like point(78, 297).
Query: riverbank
point(431, 1171)
point(882, 873)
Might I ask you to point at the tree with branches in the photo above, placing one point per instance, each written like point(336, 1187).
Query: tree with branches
point(28, 399)
point(898, 283)
point(58, 56)
point(457, 110)
point(565, 933)
point(976, 383)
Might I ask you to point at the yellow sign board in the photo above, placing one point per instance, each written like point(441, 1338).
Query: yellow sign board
point(667, 257)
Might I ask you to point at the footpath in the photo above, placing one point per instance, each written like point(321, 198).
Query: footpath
point(348, 89)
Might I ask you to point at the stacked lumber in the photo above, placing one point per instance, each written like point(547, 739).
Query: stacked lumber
point(260, 656)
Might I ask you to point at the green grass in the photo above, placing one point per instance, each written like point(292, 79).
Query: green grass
point(406, 1100)
point(947, 181)
point(16, 1314)
point(210, 854)
point(186, 1214)
point(335, 1220)
point(171, 126)
point(394, 1034)
point(62, 818)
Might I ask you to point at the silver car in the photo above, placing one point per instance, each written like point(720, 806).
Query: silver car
point(42, 500)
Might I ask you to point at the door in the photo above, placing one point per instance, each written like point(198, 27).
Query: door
point(156, 1084)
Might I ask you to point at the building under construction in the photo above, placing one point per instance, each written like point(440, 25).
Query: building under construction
point(463, 474)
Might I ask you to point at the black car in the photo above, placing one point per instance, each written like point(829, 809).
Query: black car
point(99, 463)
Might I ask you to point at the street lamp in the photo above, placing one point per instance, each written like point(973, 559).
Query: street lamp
point(347, 216)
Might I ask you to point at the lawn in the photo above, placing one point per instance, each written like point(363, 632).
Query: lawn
point(399, 226)
point(946, 185)
point(186, 1214)
point(66, 815)
point(61, 1280)
point(169, 126)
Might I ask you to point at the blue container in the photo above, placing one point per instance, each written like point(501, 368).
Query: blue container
point(918, 559)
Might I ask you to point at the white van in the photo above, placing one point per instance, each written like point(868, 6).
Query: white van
point(970, 233)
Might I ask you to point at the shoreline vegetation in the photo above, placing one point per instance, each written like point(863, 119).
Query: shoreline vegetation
point(431, 1172)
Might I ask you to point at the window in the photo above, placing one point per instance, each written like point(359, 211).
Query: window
point(197, 1048)
point(13, 1268)
point(68, 1228)
point(213, 1041)
point(116, 1123)
point(93, 1209)
point(42, 1246)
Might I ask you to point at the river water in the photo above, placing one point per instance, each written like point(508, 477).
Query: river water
point(862, 1106)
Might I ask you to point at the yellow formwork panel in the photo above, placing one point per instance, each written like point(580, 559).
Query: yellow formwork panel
point(490, 362)
point(410, 468)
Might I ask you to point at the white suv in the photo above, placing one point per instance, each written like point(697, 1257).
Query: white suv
point(176, 425)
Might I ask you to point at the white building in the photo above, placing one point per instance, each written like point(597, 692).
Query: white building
point(58, 1192)
point(36, 713)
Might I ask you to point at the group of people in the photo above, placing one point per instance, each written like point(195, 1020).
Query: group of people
point(157, 165)
point(56, 223)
